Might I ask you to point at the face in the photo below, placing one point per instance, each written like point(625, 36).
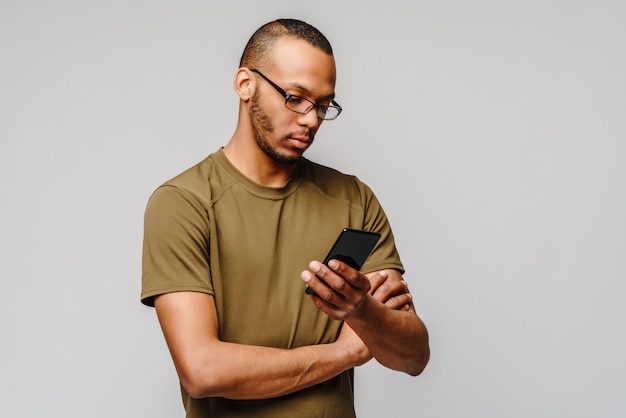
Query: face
point(299, 69)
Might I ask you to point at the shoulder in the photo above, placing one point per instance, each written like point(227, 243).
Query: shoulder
point(198, 184)
point(194, 178)
point(334, 182)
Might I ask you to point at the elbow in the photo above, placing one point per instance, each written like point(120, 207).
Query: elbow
point(420, 362)
point(411, 362)
point(421, 356)
point(200, 383)
point(196, 388)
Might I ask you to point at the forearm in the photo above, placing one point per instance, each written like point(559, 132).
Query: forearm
point(398, 339)
point(385, 321)
point(208, 366)
point(239, 371)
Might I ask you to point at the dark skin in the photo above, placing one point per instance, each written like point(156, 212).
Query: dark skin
point(346, 294)
point(210, 367)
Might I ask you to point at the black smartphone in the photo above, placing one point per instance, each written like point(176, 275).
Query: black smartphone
point(353, 246)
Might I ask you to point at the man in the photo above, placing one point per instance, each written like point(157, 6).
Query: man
point(228, 242)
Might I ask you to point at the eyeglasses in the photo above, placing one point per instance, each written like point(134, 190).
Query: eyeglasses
point(303, 106)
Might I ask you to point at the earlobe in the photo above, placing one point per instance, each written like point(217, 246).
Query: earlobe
point(244, 84)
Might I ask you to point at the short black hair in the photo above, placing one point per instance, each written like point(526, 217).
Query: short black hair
point(256, 52)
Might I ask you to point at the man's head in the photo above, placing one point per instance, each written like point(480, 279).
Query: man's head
point(257, 51)
point(284, 58)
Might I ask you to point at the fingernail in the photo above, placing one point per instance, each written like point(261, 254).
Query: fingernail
point(315, 266)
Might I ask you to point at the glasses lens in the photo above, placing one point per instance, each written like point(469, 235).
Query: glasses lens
point(328, 113)
point(304, 106)
point(298, 104)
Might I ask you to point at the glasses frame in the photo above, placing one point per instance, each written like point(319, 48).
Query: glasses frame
point(321, 109)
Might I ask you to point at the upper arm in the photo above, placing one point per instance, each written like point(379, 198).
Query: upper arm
point(175, 246)
point(190, 326)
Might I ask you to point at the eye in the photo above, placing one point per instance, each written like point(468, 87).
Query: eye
point(295, 100)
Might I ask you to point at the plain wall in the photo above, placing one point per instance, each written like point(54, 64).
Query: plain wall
point(493, 132)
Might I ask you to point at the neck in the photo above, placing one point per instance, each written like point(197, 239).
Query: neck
point(256, 165)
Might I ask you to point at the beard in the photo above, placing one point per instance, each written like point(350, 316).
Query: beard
point(264, 128)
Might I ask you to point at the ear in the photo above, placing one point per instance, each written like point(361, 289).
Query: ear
point(244, 83)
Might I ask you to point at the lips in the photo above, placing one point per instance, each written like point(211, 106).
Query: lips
point(300, 142)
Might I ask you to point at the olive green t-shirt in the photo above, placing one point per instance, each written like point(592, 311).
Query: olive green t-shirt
point(213, 230)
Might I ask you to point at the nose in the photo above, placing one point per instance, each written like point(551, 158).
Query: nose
point(310, 119)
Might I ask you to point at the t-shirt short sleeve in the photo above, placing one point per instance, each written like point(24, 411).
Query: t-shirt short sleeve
point(175, 247)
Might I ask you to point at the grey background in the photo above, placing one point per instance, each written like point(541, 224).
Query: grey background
point(493, 132)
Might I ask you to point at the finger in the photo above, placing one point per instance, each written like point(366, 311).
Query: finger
point(377, 280)
point(390, 289)
point(335, 295)
point(345, 274)
point(400, 302)
point(315, 286)
point(324, 297)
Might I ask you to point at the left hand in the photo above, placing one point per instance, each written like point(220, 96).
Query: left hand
point(340, 290)
point(393, 293)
